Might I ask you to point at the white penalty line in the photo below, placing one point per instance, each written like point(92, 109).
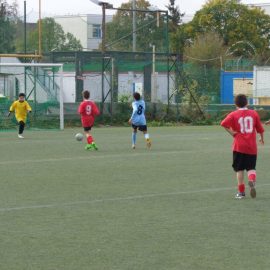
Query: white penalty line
point(118, 199)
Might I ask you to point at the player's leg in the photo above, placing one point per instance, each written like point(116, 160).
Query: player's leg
point(238, 166)
point(21, 129)
point(146, 136)
point(241, 185)
point(251, 172)
point(90, 140)
point(134, 136)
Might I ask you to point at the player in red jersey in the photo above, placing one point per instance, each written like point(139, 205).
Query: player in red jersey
point(243, 124)
point(88, 111)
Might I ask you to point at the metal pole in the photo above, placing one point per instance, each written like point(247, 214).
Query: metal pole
point(103, 26)
point(154, 90)
point(103, 56)
point(25, 86)
point(35, 92)
point(39, 30)
point(24, 27)
point(61, 99)
point(168, 60)
point(134, 30)
point(112, 86)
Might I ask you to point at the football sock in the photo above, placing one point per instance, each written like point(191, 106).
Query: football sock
point(146, 136)
point(134, 135)
point(241, 188)
point(21, 127)
point(252, 175)
point(89, 139)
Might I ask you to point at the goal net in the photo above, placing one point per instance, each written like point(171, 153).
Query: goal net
point(43, 87)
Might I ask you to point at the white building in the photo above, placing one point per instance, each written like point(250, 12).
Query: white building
point(264, 6)
point(86, 28)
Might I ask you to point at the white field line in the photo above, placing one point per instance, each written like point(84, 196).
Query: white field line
point(118, 199)
point(97, 155)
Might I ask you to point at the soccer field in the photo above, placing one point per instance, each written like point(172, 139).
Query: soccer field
point(171, 207)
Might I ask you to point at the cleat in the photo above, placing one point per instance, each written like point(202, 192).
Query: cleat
point(94, 146)
point(89, 147)
point(148, 143)
point(20, 136)
point(133, 146)
point(252, 189)
point(240, 195)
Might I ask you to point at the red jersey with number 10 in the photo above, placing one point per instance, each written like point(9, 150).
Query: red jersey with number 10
point(88, 111)
point(246, 123)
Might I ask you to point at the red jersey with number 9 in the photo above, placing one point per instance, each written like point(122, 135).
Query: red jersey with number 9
point(247, 124)
point(88, 111)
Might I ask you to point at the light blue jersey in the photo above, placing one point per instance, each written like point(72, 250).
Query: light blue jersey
point(138, 117)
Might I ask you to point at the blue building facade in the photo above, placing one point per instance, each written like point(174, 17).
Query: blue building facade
point(226, 84)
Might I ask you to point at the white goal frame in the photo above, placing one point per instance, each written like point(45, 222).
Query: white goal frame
point(60, 66)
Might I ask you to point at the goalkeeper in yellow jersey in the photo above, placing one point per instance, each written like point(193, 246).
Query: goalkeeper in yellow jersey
point(21, 108)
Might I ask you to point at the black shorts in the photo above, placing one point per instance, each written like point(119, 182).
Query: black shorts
point(243, 162)
point(141, 128)
point(87, 128)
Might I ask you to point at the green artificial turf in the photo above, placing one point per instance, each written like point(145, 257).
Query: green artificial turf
point(171, 207)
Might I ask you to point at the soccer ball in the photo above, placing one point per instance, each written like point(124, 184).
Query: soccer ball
point(79, 137)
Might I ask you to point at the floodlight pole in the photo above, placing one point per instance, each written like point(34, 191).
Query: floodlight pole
point(25, 86)
point(103, 5)
point(24, 26)
point(39, 30)
point(134, 30)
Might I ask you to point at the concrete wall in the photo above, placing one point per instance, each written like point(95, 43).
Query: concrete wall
point(126, 86)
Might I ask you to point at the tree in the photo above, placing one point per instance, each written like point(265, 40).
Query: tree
point(175, 16)
point(207, 50)
point(234, 22)
point(176, 31)
point(204, 59)
point(149, 32)
point(53, 38)
point(8, 17)
point(71, 43)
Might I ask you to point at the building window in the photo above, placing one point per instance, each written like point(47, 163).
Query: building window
point(96, 31)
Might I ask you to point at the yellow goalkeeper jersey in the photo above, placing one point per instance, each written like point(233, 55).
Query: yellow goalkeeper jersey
point(21, 109)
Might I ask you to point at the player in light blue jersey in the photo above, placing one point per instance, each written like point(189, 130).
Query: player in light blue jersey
point(138, 121)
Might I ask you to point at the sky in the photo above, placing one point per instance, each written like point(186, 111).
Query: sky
point(68, 7)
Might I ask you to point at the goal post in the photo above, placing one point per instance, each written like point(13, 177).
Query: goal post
point(42, 84)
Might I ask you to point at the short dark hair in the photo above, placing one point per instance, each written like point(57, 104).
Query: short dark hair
point(22, 95)
point(241, 101)
point(137, 96)
point(86, 94)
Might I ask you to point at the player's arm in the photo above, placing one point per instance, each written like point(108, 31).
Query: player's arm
point(230, 131)
point(95, 109)
point(12, 108)
point(28, 107)
point(261, 139)
point(267, 122)
point(134, 107)
point(227, 125)
point(259, 129)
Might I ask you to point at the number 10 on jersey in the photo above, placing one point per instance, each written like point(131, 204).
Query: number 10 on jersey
point(246, 124)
